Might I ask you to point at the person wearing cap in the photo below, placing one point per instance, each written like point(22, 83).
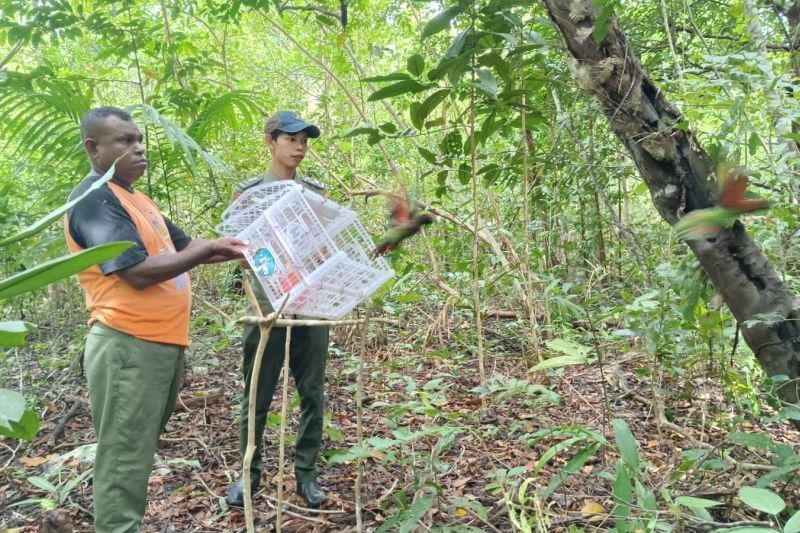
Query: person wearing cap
point(286, 136)
point(139, 303)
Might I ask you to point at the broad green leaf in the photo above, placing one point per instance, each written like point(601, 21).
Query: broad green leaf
point(753, 143)
point(474, 505)
point(394, 76)
point(751, 440)
point(793, 525)
point(334, 434)
point(417, 511)
point(790, 411)
point(13, 333)
point(441, 21)
point(416, 65)
point(486, 82)
point(603, 21)
point(427, 106)
point(489, 126)
point(25, 429)
point(622, 491)
point(51, 217)
point(401, 87)
point(762, 500)
point(42, 483)
point(644, 497)
point(192, 463)
point(568, 347)
point(696, 503)
point(359, 130)
point(427, 155)
point(12, 407)
point(779, 473)
point(60, 268)
point(67, 487)
point(408, 298)
point(456, 47)
point(498, 63)
point(559, 362)
point(327, 21)
point(572, 467)
point(554, 450)
point(626, 443)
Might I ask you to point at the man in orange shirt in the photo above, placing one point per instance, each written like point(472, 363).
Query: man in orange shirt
point(139, 303)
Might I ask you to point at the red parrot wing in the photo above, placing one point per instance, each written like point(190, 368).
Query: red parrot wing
point(733, 189)
point(733, 195)
point(398, 209)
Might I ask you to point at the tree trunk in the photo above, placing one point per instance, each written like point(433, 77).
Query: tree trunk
point(677, 172)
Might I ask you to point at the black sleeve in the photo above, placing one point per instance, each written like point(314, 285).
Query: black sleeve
point(100, 218)
point(179, 238)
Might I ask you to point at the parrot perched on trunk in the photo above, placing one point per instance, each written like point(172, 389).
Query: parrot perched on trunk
point(732, 203)
point(404, 222)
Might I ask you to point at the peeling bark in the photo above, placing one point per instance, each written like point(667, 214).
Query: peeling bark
point(677, 173)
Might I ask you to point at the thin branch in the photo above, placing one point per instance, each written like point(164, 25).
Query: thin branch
point(264, 329)
point(58, 432)
point(11, 53)
point(176, 62)
point(347, 92)
point(282, 435)
point(741, 523)
point(732, 38)
point(476, 288)
point(315, 9)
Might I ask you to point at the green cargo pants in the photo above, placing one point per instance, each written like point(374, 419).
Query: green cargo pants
point(309, 353)
point(133, 385)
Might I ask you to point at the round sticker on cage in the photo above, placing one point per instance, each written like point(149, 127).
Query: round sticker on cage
point(264, 262)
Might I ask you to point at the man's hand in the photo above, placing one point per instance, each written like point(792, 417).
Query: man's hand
point(225, 249)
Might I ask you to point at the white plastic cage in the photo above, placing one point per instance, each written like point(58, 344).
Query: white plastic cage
point(306, 246)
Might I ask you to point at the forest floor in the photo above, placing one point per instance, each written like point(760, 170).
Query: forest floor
point(429, 435)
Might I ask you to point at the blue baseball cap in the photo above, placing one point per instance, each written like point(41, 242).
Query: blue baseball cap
point(289, 122)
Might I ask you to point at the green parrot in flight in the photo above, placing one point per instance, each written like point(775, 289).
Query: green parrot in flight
point(733, 202)
point(404, 222)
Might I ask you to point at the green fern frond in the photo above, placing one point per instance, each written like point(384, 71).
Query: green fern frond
point(42, 118)
point(236, 110)
point(176, 137)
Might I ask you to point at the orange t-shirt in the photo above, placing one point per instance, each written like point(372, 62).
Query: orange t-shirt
point(159, 313)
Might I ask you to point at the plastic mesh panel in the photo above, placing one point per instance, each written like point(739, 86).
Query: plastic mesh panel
point(306, 246)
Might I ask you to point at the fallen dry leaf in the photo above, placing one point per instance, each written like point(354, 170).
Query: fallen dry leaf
point(33, 461)
point(592, 510)
point(461, 482)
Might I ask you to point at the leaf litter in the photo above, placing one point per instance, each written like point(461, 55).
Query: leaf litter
point(436, 440)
